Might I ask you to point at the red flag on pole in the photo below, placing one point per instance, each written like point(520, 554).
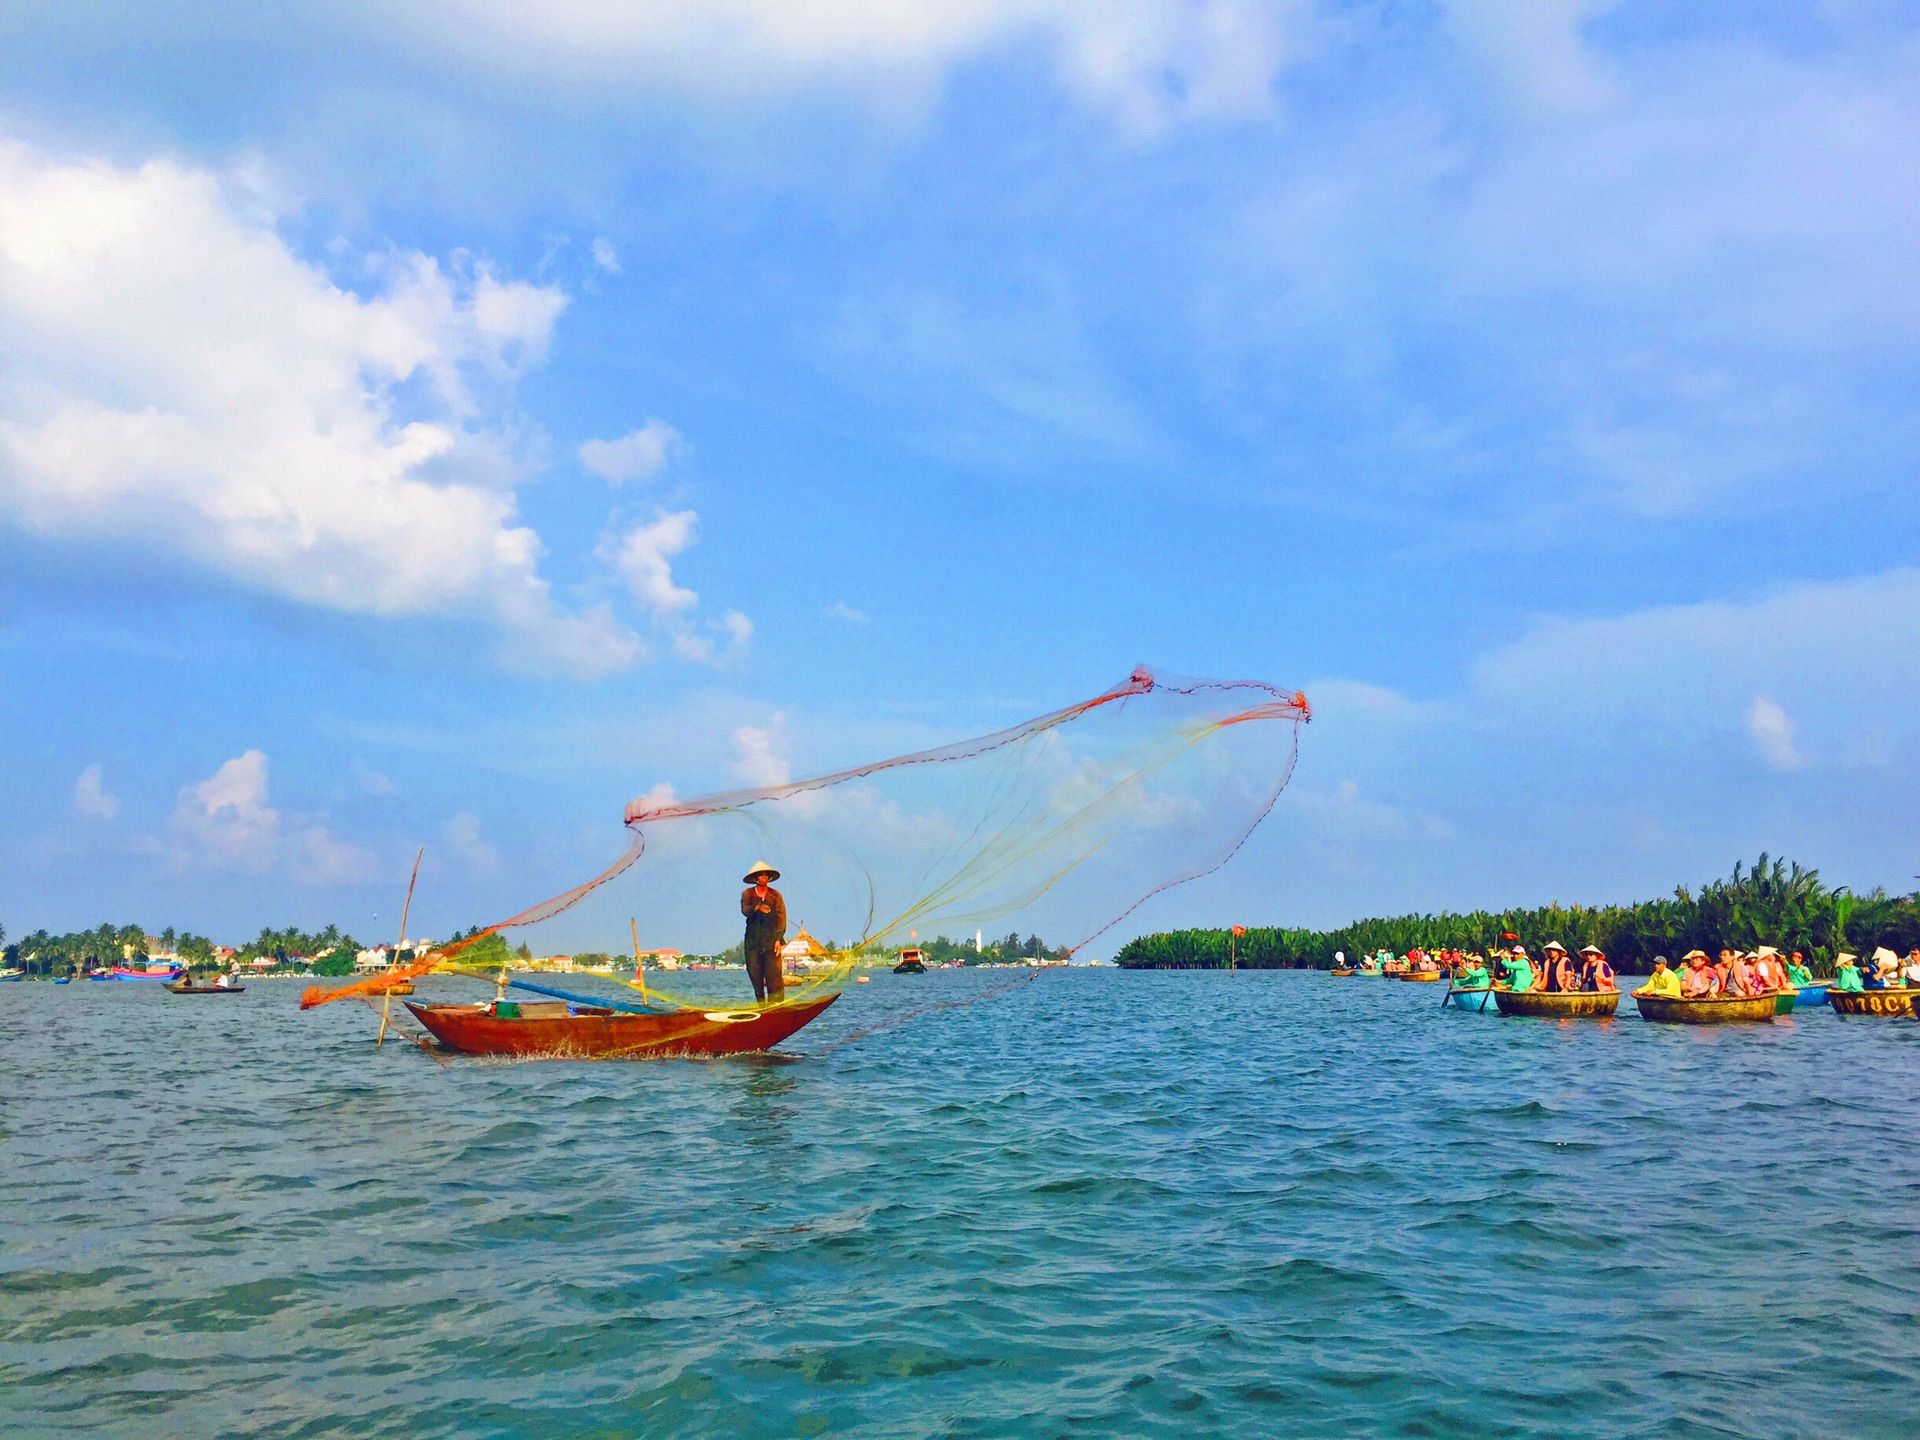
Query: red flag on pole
point(1239, 929)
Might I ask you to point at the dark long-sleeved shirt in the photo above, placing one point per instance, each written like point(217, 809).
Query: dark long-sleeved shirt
point(764, 927)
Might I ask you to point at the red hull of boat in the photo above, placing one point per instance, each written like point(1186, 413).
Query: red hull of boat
point(472, 1031)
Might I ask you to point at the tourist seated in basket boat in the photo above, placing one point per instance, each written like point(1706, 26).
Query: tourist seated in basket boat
point(1886, 969)
point(1595, 972)
point(1519, 968)
point(1768, 971)
point(1663, 984)
point(1740, 978)
point(1699, 980)
point(1472, 974)
point(1798, 975)
point(1910, 975)
point(1559, 974)
point(1846, 975)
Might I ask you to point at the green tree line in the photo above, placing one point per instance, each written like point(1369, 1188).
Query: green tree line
point(1773, 903)
point(107, 945)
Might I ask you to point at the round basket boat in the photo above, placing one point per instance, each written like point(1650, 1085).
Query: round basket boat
point(1559, 1004)
point(1719, 1010)
point(1341, 973)
point(1871, 1002)
point(1423, 976)
point(1478, 999)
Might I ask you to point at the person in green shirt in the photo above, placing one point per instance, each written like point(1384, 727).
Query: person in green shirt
point(1845, 975)
point(1663, 984)
point(1472, 975)
point(1519, 970)
point(1798, 975)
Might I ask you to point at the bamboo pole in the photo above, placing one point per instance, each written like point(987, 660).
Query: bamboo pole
point(386, 1003)
point(639, 970)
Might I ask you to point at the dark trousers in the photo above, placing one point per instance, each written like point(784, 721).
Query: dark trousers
point(765, 971)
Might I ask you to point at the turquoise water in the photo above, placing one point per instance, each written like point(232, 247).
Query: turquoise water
point(1105, 1204)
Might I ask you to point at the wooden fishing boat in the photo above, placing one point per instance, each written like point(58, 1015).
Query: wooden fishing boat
point(187, 987)
point(1716, 1010)
point(12, 973)
point(390, 987)
point(1558, 1004)
point(1342, 973)
point(121, 972)
point(1479, 999)
point(1871, 1002)
point(912, 962)
point(560, 1030)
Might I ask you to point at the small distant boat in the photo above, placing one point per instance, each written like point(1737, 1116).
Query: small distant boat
point(11, 973)
point(63, 979)
point(1559, 1004)
point(187, 987)
point(152, 972)
point(390, 987)
point(1423, 976)
point(1871, 1002)
point(558, 1030)
point(1343, 971)
point(912, 962)
point(1716, 1010)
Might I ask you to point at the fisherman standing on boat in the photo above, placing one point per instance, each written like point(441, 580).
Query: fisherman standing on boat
point(766, 914)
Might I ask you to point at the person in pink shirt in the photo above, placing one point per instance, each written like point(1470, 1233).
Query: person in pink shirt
point(1697, 981)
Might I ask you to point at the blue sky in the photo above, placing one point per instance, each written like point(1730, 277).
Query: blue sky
point(439, 429)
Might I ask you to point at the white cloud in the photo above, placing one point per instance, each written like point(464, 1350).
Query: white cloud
point(177, 378)
point(91, 797)
point(1772, 732)
point(226, 821)
point(1846, 652)
point(1149, 62)
point(462, 834)
point(842, 611)
point(644, 558)
point(371, 780)
point(1536, 47)
point(605, 256)
point(318, 858)
point(227, 815)
point(760, 754)
point(727, 640)
point(633, 456)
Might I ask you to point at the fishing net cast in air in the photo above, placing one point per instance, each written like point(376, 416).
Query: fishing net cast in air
point(1065, 824)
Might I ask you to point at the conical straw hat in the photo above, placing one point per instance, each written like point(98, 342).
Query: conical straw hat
point(760, 867)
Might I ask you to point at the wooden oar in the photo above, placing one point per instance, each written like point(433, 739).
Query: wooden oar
point(639, 970)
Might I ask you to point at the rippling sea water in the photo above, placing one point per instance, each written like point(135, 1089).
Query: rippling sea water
point(1105, 1204)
